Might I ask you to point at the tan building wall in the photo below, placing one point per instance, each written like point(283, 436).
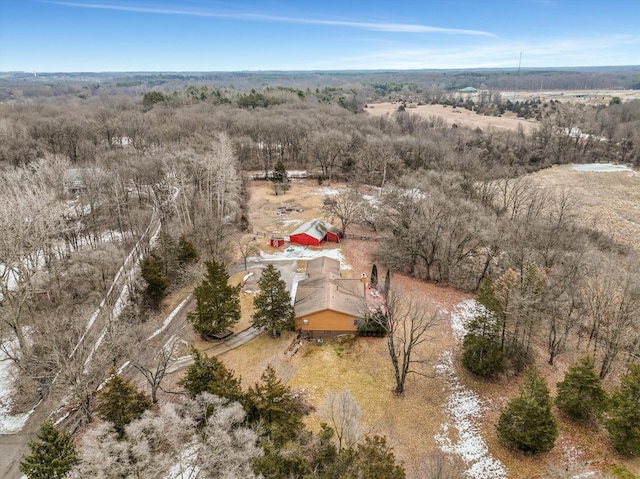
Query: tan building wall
point(325, 324)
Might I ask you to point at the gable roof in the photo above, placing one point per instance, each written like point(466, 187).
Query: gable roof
point(316, 229)
point(324, 289)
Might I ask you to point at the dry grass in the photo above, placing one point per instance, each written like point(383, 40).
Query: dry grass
point(459, 116)
point(610, 202)
point(410, 422)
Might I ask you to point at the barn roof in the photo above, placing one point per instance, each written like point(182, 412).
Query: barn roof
point(316, 229)
point(468, 89)
point(324, 289)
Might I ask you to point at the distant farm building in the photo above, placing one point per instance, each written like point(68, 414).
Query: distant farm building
point(314, 233)
point(326, 304)
point(73, 180)
point(468, 89)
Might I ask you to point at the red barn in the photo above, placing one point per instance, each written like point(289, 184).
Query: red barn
point(314, 232)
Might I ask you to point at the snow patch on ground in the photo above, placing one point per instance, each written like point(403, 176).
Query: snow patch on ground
point(601, 167)
point(461, 434)
point(302, 253)
point(462, 313)
point(185, 468)
point(326, 191)
point(169, 318)
point(9, 423)
point(464, 408)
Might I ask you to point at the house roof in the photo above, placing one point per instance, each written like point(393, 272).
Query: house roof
point(324, 289)
point(316, 229)
point(468, 89)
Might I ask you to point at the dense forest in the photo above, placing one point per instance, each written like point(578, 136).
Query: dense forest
point(169, 153)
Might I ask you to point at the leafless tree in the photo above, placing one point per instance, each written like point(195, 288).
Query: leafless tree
point(407, 323)
point(169, 442)
point(347, 207)
point(343, 413)
point(247, 248)
point(155, 369)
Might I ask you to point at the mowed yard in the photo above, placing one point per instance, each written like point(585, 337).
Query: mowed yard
point(362, 365)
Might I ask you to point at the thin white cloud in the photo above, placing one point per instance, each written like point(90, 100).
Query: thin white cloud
point(380, 27)
point(595, 51)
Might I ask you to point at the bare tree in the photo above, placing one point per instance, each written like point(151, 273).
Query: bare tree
point(344, 414)
point(407, 324)
point(247, 248)
point(169, 443)
point(347, 207)
point(155, 370)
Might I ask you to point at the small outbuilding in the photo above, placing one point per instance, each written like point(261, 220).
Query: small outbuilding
point(314, 233)
point(277, 242)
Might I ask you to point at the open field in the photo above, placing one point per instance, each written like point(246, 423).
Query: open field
point(458, 116)
point(412, 423)
point(608, 201)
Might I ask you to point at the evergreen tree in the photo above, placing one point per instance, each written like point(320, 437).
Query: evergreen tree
point(387, 283)
point(186, 252)
point(157, 281)
point(580, 395)
point(374, 276)
point(372, 458)
point(273, 306)
point(527, 422)
point(166, 252)
point(120, 402)
point(623, 422)
point(210, 375)
point(217, 303)
point(482, 352)
point(280, 177)
point(271, 402)
point(52, 455)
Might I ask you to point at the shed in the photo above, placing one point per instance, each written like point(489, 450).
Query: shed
point(276, 242)
point(314, 233)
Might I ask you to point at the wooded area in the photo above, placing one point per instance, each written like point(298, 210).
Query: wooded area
point(156, 158)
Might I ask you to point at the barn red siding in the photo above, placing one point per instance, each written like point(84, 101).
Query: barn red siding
point(333, 237)
point(304, 239)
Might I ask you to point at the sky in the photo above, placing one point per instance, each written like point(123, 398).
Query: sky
point(254, 35)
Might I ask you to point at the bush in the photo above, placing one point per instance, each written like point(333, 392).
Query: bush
point(580, 395)
point(623, 421)
point(527, 423)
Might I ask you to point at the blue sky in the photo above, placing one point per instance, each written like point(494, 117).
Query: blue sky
point(207, 35)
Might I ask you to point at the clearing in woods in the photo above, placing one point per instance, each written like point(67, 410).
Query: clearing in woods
point(415, 423)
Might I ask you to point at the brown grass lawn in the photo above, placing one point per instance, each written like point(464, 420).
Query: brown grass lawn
point(362, 365)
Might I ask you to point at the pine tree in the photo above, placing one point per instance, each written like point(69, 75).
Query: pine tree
point(580, 395)
point(217, 303)
point(271, 402)
point(372, 458)
point(273, 303)
point(527, 422)
point(374, 276)
point(210, 375)
point(157, 281)
point(186, 252)
point(623, 421)
point(120, 402)
point(52, 455)
point(482, 352)
point(166, 251)
point(387, 283)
